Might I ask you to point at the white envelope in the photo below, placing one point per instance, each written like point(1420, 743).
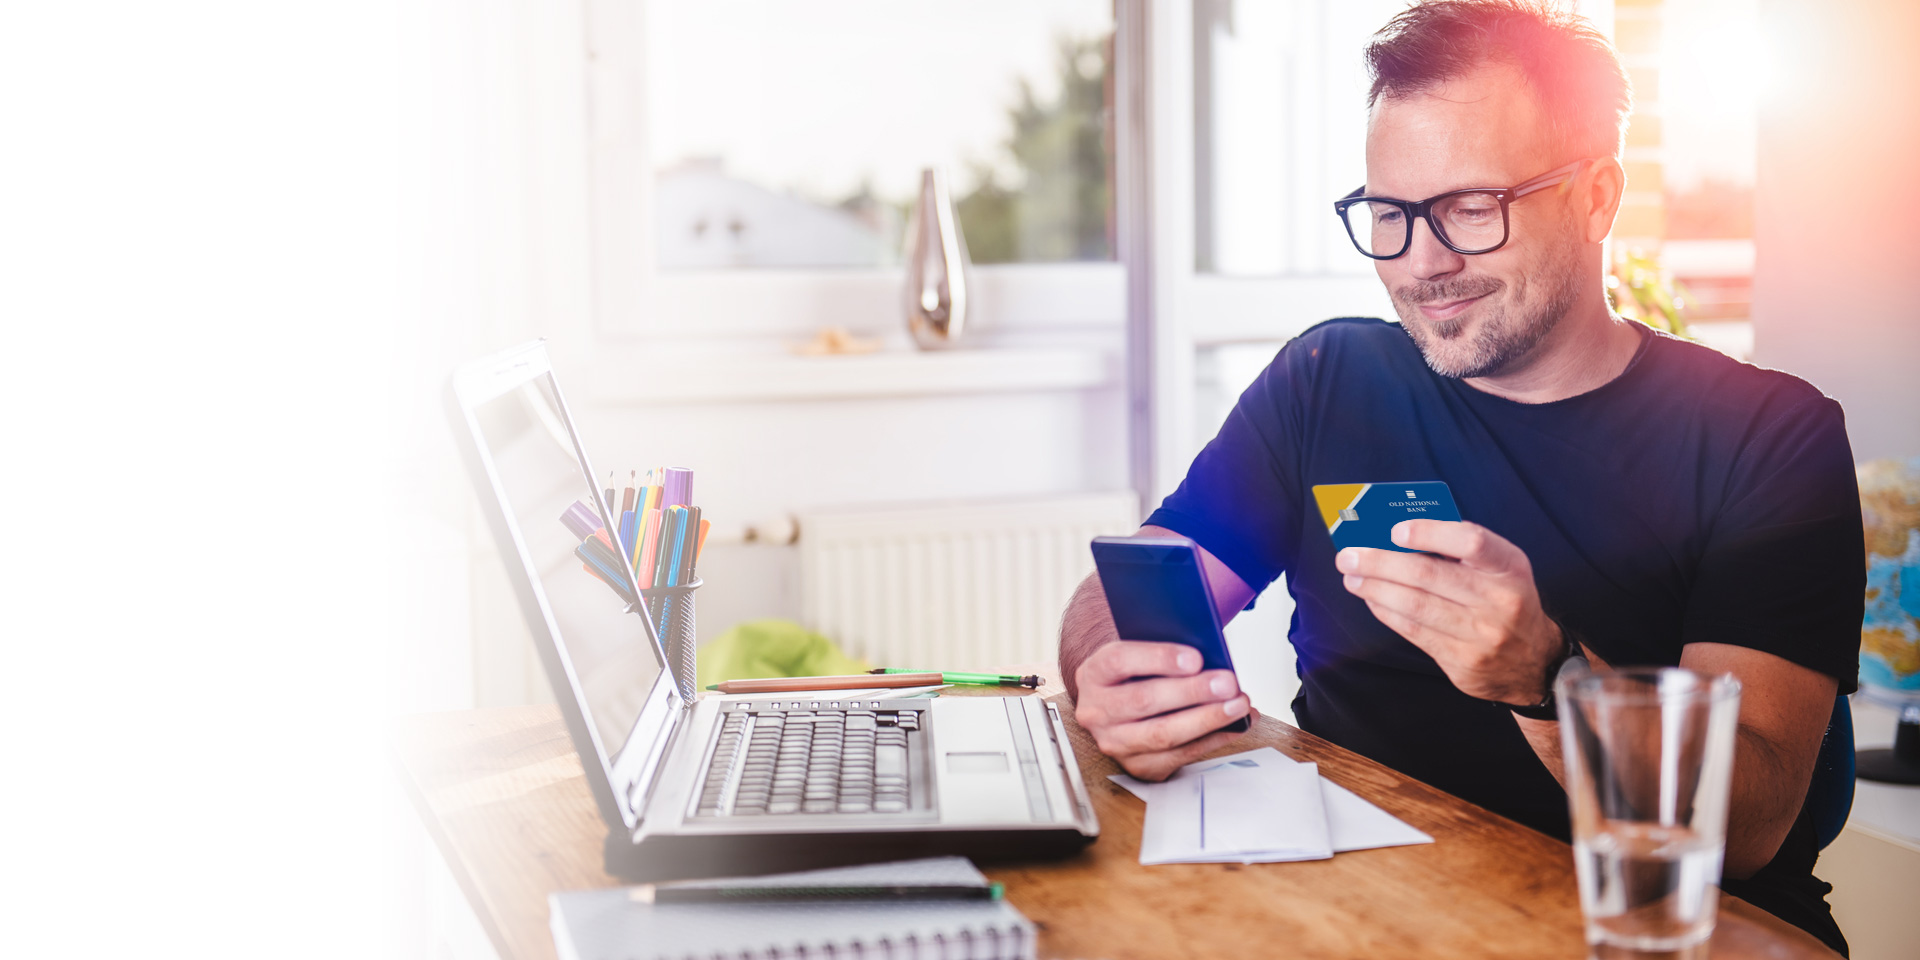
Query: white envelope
point(1352, 823)
point(1250, 814)
point(1270, 811)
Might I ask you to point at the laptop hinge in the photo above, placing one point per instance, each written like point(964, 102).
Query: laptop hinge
point(646, 777)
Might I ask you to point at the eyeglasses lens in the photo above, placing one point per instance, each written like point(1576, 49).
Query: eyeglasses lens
point(1378, 229)
point(1471, 221)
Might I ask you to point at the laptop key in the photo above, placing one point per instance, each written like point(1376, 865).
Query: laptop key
point(855, 806)
point(889, 806)
point(819, 806)
point(890, 761)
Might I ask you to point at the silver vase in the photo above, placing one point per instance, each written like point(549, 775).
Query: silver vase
point(939, 273)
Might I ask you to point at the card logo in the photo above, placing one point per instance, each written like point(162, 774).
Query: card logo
point(1338, 502)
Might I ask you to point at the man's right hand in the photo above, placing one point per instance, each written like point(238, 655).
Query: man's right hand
point(1149, 706)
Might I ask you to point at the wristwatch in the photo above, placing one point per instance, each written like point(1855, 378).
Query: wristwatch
point(1548, 707)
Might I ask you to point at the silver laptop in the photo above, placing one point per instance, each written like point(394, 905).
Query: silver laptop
point(731, 786)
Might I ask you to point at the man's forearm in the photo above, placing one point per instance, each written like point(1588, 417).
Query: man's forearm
point(1767, 793)
point(1086, 625)
point(1765, 796)
point(1769, 780)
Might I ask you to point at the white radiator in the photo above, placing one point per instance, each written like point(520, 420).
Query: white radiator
point(953, 586)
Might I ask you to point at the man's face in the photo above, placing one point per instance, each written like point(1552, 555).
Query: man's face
point(1476, 316)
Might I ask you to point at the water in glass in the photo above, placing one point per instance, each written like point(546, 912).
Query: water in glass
point(1647, 887)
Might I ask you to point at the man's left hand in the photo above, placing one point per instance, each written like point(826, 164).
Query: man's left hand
point(1469, 602)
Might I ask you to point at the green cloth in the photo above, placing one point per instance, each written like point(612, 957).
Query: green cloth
point(772, 648)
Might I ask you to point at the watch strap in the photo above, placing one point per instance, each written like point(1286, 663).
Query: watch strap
point(1549, 708)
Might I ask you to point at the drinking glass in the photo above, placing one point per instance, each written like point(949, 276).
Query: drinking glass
point(1648, 754)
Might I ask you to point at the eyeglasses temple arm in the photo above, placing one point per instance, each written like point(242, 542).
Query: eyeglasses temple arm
point(1551, 178)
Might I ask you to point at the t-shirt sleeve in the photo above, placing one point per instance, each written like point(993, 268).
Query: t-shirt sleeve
point(1783, 570)
point(1238, 497)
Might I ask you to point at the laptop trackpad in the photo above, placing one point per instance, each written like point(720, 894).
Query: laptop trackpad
point(959, 763)
point(979, 779)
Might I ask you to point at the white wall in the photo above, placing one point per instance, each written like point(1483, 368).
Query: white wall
point(1837, 215)
point(506, 209)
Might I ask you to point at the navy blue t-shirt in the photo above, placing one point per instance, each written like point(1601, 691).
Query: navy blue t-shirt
point(1693, 498)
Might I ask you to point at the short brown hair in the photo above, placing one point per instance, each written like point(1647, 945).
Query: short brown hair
point(1572, 68)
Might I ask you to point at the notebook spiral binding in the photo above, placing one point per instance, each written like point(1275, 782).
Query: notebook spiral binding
point(985, 943)
point(671, 610)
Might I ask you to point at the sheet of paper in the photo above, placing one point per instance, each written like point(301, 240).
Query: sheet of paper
point(1355, 824)
point(1352, 823)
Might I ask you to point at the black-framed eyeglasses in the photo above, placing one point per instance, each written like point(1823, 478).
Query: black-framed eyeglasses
point(1469, 222)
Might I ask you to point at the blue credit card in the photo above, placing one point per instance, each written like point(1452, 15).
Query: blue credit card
point(1363, 514)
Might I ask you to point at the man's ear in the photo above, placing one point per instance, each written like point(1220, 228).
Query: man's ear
point(1600, 189)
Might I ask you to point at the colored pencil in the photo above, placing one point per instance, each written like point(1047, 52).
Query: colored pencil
point(649, 542)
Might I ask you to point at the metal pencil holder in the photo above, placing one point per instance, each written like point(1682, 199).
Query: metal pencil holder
point(671, 610)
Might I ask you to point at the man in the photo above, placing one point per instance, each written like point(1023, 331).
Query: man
point(1629, 496)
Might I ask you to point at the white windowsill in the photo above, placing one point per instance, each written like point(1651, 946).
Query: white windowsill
point(733, 378)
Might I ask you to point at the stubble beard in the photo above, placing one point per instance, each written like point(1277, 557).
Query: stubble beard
point(1509, 327)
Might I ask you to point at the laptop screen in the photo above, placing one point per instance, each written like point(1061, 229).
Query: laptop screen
point(614, 661)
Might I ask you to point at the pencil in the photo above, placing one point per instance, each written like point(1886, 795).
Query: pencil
point(858, 681)
point(977, 679)
point(649, 542)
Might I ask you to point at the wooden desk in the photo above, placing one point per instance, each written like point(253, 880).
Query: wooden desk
point(504, 797)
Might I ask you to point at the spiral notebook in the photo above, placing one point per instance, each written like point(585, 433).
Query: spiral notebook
point(615, 924)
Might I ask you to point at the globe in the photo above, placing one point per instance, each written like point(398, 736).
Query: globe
point(1890, 632)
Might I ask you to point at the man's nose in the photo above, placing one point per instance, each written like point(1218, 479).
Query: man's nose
point(1426, 257)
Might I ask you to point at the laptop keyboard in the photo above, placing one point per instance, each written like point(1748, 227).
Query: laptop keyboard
point(812, 757)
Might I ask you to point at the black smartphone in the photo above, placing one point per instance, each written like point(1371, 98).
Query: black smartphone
point(1157, 592)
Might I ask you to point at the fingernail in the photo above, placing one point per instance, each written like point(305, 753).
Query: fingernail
point(1345, 560)
point(1352, 582)
point(1222, 686)
point(1237, 707)
point(1398, 534)
point(1189, 661)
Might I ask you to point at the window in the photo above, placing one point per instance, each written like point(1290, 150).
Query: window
point(755, 162)
point(784, 137)
point(1711, 72)
point(1279, 117)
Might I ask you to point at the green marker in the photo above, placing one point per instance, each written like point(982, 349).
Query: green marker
point(978, 679)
